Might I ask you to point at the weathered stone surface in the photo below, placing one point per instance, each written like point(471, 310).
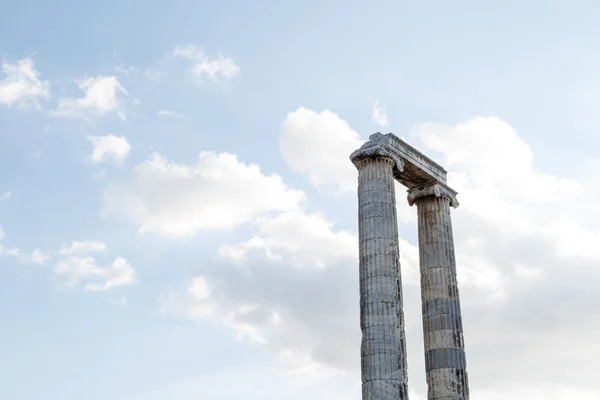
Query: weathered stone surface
point(383, 348)
point(445, 360)
point(437, 189)
point(417, 168)
point(379, 161)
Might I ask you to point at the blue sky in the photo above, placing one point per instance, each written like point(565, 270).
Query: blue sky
point(128, 135)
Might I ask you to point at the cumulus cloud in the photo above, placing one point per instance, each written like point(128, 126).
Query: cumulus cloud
point(101, 97)
point(108, 147)
point(78, 267)
point(291, 234)
point(218, 192)
point(512, 237)
point(379, 114)
point(290, 287)
point(37, 257)
point(34, 257)
point(77, 263)
point(215, 69)
point(21, 85)
point(265, 298)
point(317, 145)
point(497, 160)
point(527, 266)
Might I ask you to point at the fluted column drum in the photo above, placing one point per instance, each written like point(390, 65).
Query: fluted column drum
point(383, 348)
point(445, 361)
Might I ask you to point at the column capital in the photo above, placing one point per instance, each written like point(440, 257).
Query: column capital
point(436, 189)
point(372, 149)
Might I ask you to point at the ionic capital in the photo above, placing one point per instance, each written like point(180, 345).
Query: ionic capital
point(372, 150)
point(436, 189)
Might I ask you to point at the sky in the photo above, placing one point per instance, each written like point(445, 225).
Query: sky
point(178, 211)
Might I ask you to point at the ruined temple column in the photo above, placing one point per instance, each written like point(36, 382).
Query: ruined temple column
point(445, 361)
point(383, 348)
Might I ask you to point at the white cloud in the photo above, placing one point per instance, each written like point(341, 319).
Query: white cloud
point(286, 288)
point(574, 240)
point(102, 277)
point(486, 154)
point(35, 257)
point(292, 234)
point(21, 85)
point(79, 267)
point(318, 145)
point(168, 114)
point(215, 69)
point(291, 303)
point(218, 192)
point(197, 302)
point(199, 288)
point(9, 251)
point(75, 263)
point(379, 115)
point(109, 147)
point(527, 276)
point(102, 96)
point(82, 247)
point(6, 195)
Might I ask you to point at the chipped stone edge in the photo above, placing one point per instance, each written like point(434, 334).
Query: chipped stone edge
point(436, 189)
point(371, 150)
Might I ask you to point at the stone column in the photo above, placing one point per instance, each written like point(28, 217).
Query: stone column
point(445, 361)
point(383, 348)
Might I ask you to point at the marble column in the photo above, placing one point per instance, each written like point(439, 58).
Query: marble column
point(383, 347)
point(445, 361)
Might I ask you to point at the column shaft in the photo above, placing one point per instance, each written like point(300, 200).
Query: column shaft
point(445, 361)
point(383, 348)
